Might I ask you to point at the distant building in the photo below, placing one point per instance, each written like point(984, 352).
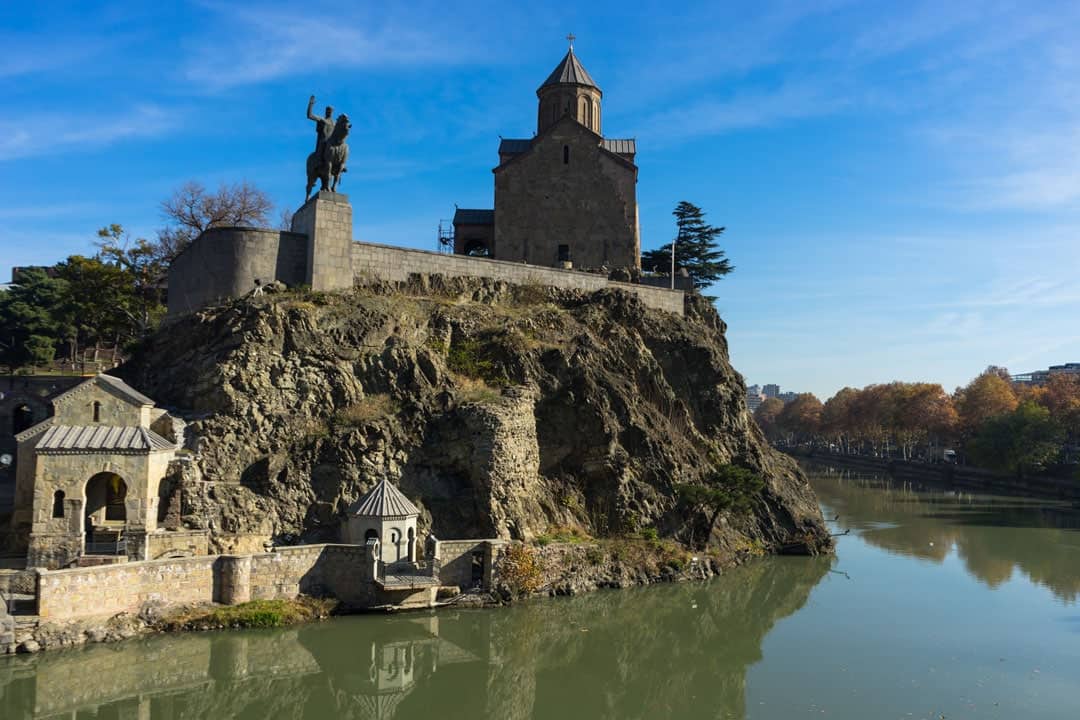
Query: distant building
point(754, 398)
point(788, 396)
point(771, 391)
point(1041, 377)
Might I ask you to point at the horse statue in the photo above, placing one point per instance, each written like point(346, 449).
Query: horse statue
point(328, 165)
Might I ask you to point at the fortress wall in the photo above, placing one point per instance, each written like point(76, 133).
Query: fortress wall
point(225, 262)
point(337, 571)
point(372, 262)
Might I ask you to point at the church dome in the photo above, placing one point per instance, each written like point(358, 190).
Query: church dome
point(569, 71)
point(569, 90)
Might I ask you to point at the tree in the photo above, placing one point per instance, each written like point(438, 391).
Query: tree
point(1018, 442)
point(97, 299)
point(728, 487)
point(192, 210)
point(987, 396)
point(767, 416)
point(801, 417)
point(695, 248)
point(836, 419)
point(32, 319)
point(145, 275)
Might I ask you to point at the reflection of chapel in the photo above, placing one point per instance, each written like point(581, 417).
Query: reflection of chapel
point(565, 196)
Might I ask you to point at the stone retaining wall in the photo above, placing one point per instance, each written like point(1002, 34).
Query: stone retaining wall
point(373, 263)
point(456, 561)
point(336, 571)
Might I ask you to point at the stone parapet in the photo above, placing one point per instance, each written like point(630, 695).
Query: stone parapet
point(375, 263)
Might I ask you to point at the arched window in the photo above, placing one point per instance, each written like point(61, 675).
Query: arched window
point(97, 411)
point(58, 504)
point(566, 154)
point(596, 116)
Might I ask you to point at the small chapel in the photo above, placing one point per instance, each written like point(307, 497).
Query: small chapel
point(565, 197)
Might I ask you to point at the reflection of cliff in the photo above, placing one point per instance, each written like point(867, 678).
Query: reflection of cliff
point(672, 651)
point(993, 536)
point(676, 651)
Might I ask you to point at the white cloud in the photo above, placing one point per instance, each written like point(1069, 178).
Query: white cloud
point(258, 45)
point(52, 133)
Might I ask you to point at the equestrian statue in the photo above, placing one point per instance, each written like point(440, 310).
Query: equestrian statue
point(327, 163)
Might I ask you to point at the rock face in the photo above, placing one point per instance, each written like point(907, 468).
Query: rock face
point(499, 410)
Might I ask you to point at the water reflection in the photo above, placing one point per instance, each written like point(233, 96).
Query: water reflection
point(674, 651)
point(994, 536)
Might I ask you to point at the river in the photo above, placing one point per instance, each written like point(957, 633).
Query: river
point(936, 605)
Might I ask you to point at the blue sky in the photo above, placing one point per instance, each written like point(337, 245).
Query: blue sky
point(900, 181)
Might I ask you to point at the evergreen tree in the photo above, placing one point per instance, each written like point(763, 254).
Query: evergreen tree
point(695, 248)
point(33, 319)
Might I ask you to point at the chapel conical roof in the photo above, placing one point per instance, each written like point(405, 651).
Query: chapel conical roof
point(384, 501)
point(569, 71)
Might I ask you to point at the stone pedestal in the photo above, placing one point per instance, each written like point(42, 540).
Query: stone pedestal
point(326, 219)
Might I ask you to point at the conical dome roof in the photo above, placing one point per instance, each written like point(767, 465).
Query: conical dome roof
point(384, 501)
point(569, 71)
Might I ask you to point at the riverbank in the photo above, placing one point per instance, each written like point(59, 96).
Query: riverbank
point(569, 566)
point(954, 476)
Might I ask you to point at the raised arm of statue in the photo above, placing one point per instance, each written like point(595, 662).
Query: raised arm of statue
point(310, 115)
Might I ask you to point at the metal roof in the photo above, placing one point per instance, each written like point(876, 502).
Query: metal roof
point(464, 216)
point(109, 382)
point(621, 147)
point(92, 438)
point(514, 146)
point(569, 71)
point(384, 501)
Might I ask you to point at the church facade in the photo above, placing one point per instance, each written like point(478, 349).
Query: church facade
point(566, 197)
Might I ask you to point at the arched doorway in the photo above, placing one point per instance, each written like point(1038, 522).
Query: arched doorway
point(105, 514)
point(22, 417)
point(477, 248)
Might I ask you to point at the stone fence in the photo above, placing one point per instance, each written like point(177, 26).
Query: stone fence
point(372, 263)
point(336, 571)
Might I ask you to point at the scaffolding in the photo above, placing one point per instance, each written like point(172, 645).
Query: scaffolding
point(446, 237)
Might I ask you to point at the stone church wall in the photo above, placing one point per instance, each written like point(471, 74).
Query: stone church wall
point(225, 262)
point(567, 190)
point(383, 262)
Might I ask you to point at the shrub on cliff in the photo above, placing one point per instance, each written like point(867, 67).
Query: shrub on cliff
point(519, 571)
point(729, 487)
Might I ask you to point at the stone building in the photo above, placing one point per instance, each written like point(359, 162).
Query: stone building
point(565, 197)
point(89, 476)
point(385, 515)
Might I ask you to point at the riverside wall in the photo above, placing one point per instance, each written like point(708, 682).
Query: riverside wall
point(336, 571)
point(374, 263)
point(958, 476)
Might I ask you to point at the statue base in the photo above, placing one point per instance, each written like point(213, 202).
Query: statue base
point(326, 219)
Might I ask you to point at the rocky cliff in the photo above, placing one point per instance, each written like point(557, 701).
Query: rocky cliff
point(500, 410)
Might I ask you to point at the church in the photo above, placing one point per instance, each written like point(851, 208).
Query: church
point(565, 197)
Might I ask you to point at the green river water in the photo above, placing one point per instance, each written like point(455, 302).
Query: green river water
point(936, 605)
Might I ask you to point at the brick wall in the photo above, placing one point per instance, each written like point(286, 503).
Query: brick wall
point(373, 262)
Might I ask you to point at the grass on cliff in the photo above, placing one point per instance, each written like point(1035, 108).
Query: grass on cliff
point(254, 614)
point(372, 407)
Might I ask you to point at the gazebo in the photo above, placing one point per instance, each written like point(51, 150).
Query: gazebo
point(386, 515)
